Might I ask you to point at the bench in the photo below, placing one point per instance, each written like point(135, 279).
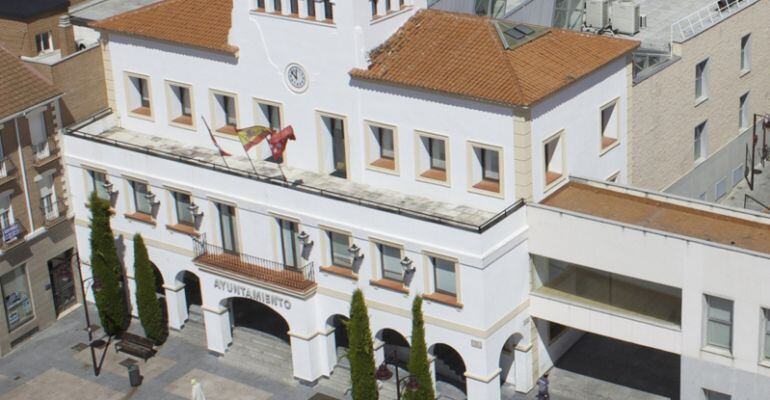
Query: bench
point(136, 345)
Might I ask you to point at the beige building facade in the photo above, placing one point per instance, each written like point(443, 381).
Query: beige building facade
point(665, 152)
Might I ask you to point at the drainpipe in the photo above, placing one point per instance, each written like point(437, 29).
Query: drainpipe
point(24, 174)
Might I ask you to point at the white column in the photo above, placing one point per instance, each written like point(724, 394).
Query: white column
point(132, 298)
point(302, 8)
point(320, 13)
point(523, 367)
point(483, 387)
point(176, 304)
point(306, 360)
point(331, 349)
point(285, 7)
point(432, 369)
point(382, 8)
point(218, 333)
point(269, 6)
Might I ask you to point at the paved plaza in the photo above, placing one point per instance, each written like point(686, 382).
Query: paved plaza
point(48, 367)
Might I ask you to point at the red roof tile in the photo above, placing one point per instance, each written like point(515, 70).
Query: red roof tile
point(21, 87)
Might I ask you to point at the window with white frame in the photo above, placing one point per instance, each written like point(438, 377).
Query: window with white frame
point(699, 138)
point(294, 7)
point(334, 146)
point(746, 53)
point(485, 168)
point(433, 163)
point(183, 206)
point(553, 150)
point(382, 148)
point(225, 118)
point(139, 95)
point(609, 124)
point(142, 197)
point(290, 243)
point(444, 276)
point(390, 262)
point(310, 4)
point(701, 80)
point(98, 184)
point(743, 112)
point(712, 395)
point(38, 131)
point(719, 322)
point(6, 213)
point(48, 201)
point(765, 334)
point(339, 243)
point(328, 7)
point(44, 42)
point(269, 115)
point(180, 104)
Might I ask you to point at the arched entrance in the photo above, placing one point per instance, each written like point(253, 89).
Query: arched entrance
point(450, 371)
point(253, 316)
point(508, 360)
point(396, 347)
point(339, 323)
point(192, 291)
point(158, 280)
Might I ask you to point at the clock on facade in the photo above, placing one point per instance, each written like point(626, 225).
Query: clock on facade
point(296, 77)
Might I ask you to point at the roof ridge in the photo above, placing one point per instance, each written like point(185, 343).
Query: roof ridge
point(504, 58)
point(29, 68)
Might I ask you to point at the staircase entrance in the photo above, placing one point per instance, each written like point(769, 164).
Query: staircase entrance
point(450, 372)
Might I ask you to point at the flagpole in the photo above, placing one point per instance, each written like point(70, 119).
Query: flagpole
point(251, 162)
point(215, 143)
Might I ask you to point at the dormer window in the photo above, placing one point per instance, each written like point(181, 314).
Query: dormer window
point(44, 42)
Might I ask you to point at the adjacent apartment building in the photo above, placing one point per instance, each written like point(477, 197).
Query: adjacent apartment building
point(436, 155)
point(37, 280)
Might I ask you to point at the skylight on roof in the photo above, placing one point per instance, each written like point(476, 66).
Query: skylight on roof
point(515, 35)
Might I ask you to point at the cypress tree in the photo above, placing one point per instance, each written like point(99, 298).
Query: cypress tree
point(361, 353)
point(418, 357)
point(147, 304)
point(105, 269)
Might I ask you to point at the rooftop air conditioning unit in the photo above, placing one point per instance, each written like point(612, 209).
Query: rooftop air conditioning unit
point(626, 17)
point(597, 13)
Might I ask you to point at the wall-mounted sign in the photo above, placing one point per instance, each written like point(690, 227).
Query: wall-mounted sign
point(251, 293)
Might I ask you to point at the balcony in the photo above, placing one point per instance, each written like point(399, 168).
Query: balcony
point(13, 235)
point(273, 274)
point(44, 152)
point(53, 211)
point(7, 170)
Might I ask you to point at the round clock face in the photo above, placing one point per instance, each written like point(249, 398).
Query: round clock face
point(296, 77)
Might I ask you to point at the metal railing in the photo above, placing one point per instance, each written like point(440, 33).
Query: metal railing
point(11, 233)
point(52, 210)
point(44, 149)
point(297, 278)
point(705, 18)
point(296, 185)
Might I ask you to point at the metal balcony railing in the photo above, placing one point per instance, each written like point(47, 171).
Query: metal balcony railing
point(297, 279)
point(12, 234)
point(52, 210)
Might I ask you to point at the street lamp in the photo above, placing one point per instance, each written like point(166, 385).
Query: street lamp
point(92, 344)
point(383, 374)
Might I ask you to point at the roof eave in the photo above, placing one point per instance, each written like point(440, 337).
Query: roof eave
point(230, 50)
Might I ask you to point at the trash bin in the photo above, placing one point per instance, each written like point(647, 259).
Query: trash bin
point(134, 377)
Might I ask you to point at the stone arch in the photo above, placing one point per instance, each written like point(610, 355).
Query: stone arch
point(192, 288)
point(253, 315)
point(338, 322)
point(396, 346)
point(507, 359)
point(449, 368)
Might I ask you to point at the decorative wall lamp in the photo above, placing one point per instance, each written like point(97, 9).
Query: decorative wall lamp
point(356, 251)
point(152, 198)
point(407, 264)
point(195, 210)
point(305, 238)
point(110, 188)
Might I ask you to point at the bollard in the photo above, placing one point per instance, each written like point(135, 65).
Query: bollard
point(134, 377)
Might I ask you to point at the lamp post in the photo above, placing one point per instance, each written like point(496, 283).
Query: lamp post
point(383, 374)
point(89, 328)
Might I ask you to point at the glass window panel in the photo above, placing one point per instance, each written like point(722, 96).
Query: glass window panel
point(720, 309)
point(437, 149)
point(385, 138)
point(289, 242)
point(98, 181)
point(184, 101)
point(141, 202)
point(273, 117)
point(390, 257)
point(491, 165)
point(16, 297)
point(341, 257)
point(718, 334)
point(227, 226)
point(445, 276)
point(183, 212)
point(229, 108)
point(310, 8)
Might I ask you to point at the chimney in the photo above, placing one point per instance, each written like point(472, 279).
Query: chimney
point(67, 44)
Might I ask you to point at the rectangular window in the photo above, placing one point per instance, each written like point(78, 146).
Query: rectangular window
point(609, 125)
point(139, 96)
point(16, 297)
point(382, 151)
point(328, 10)
point(336, 158)
point(746, 53)
point(310, 8)
point(719, 322)
point(38, 130)
point(766, 334)
point(374, 7)
point(6, 217)
point(277, 5)
point(485, 171)
point(294, 6)
point(289, 243)
point(184, 214)
point(339, 244)
point(554, 159)
point(390, 262)
point(444, 276)
point(99, 184)
point(701, 80)
point(227, 228)
point(225, 114)
point(743, 112)
point(433, 162)
point(712, 395)
point(180, 107)
point(261, 4)
point(141, 198)
point(269, 115)
point(48, 201)
point(699, 148)
point(44, 42)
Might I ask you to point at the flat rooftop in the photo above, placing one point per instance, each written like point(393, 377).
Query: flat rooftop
point(661, 14)
point(662, 216)
point(441, 212)
point(96, 10)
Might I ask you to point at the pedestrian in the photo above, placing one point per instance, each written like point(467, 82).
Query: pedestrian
point(542, 388)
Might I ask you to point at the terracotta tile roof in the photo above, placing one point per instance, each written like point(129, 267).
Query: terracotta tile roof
point(463, 55)
point(199, 23)
point(21, 87)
